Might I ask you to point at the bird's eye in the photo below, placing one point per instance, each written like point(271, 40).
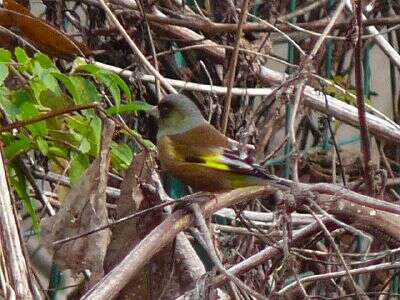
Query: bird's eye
point(164, 110)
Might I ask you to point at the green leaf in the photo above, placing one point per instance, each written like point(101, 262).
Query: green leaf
point(5, 55)
point(91, 69)
point(89, 129)
point(94, 135)
point(121, 156)
point(79, 164)
point(29, 110)
point(50, 100)
point(42, 145)
point(130, 107)
point(69, 84)
point(122, 85)
point(58, 152)
point(21, 56)
point(45, 75)
point(79, 124)
point(16, 147)
point(37, 87)
point(84, 147)
point(19, 183)
point(79, 61)
point(3, 72)
point(112, 81)
point(108, 80)
point(10, 108)
point(88, 92)
point(45, 61)
point(21, 96)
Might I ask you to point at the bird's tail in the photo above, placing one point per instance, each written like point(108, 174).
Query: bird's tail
point(262, 173)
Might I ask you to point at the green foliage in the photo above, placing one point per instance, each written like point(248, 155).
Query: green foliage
point(121, 155)
point(112, 81)
point(130, 107)
point(70, 141)
point(5, 57)
point(18, 181)
point(348, 95)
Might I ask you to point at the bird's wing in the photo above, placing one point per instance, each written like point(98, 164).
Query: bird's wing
point(219, 158)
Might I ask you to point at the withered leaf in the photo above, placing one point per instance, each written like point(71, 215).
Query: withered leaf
point(44, 36)
point(172, 271)
point(83, 209)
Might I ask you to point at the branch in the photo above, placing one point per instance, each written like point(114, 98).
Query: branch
point(11, 241)
point(232, 66)
point(365, 143)
point(209, 27)
point(146, 64)
point(49, 115)
point(375, 268)
point(313, 99)
point(161, 236)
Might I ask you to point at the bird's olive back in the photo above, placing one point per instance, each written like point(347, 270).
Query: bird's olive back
point(177, 114)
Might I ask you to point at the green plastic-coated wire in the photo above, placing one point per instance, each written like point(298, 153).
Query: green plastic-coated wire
point(55, 281)
point(328, 70)
point(288, 108)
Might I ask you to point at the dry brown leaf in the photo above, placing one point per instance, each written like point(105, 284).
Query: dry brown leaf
point(15, 6)
point(149, 283)
point(165, 276)
point(84, 209)
point(46, 37)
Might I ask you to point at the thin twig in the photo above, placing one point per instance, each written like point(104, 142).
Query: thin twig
point(49, 115)
point(333, 139)
point(301, 86)
point(358, 73)
point(209, 247)
point(185, 200)
point(374, 268)
point(152, 47)
point(337, 250)
point(232, 67)
point(146, 64)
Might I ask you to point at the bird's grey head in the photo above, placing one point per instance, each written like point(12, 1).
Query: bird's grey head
point(177, 114)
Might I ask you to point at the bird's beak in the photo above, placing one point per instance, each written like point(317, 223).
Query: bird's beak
point(154, 112)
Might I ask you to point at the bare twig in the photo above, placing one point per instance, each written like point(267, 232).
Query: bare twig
point(365, 143)
point(301, 86)
point(337, 250)
point(48, 115)
point(313, 99)
point(232, 67)
point(147, 65)
point(12, 242)
point(374, 268)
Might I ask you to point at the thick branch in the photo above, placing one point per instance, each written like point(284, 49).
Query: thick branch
point(161, 236)
point(11, 241)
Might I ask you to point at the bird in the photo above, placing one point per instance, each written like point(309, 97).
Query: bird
point(199, 155)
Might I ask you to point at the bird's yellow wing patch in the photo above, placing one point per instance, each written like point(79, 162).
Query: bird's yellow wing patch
point(214, 162)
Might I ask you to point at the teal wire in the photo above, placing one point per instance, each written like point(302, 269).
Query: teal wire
point(288, 108)
point(392, 77)
point(328, 70)
point(282, 159)
point(174, 187)
point(367, 71)
point(55, 282)
point(395, 284)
